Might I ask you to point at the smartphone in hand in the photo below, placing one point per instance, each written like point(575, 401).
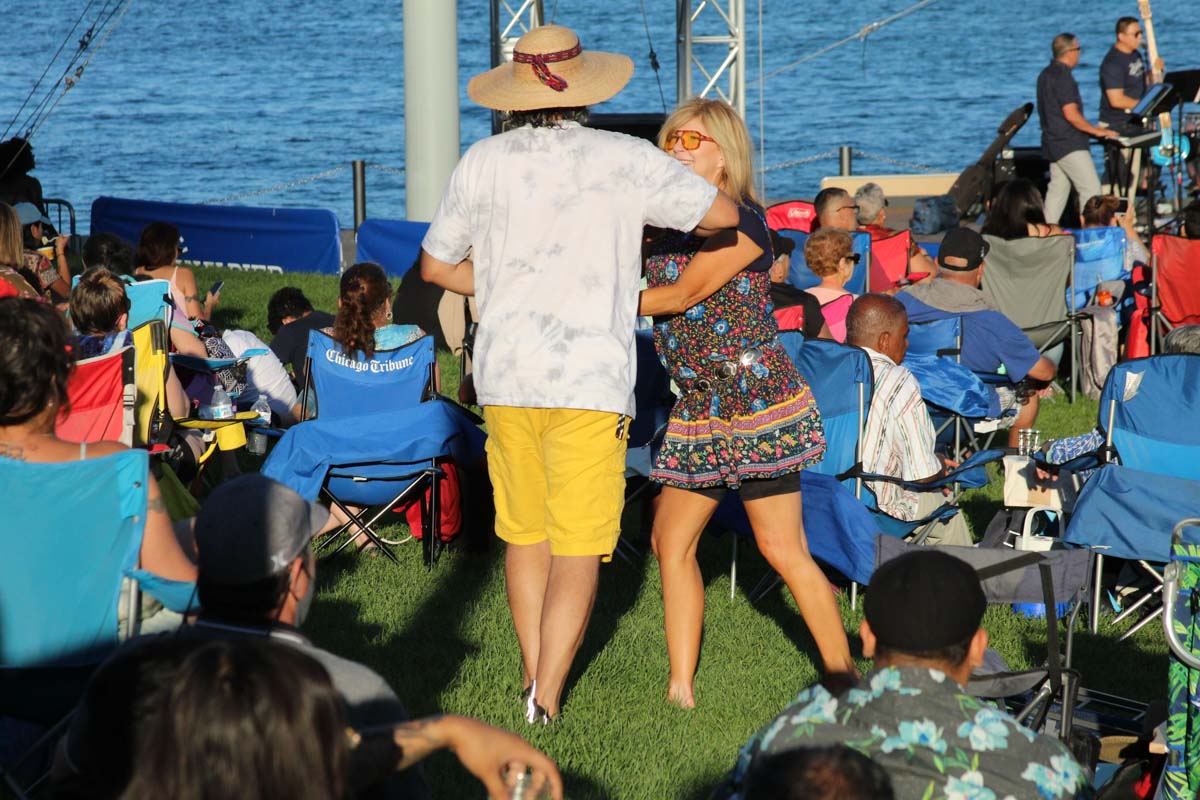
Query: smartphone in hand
point(216, 288)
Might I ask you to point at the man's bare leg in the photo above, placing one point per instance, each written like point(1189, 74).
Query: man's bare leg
point(570, 595)
point(526, 575)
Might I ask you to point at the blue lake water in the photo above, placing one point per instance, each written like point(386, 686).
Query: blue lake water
point(194, 101)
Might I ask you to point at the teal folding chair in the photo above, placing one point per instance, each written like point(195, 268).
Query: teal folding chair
point(60, 579)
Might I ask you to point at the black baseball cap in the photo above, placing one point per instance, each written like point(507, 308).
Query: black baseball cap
point(966, 247)
point(924, 600)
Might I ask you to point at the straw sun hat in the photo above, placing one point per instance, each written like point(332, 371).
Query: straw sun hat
point(550, 69)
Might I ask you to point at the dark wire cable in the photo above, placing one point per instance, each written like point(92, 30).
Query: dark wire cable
point(654, 65)
point(42, 77)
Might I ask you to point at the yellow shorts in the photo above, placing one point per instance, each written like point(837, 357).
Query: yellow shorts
point(557, 474)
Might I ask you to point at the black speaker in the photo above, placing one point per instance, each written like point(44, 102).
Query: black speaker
point(643, 126)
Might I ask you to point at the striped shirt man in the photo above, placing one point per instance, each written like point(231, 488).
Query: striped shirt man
point(899, 439)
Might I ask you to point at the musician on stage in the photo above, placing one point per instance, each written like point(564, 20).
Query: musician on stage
point(1123, 81)
point(1065, 132)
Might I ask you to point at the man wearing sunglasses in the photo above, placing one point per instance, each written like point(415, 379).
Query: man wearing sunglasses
point(1123, 81)
point(836, 209)
point(1065, 132)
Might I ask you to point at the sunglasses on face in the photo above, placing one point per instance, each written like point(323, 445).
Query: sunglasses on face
point(853, 258)
point(691, 139)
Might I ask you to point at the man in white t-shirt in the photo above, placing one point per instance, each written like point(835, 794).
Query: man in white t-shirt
point(550, 214)
point(265, 376)
point(899, 439)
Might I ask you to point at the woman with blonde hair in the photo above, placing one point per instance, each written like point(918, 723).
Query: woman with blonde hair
point(746, 419)
point(13, 279)
point(830, 255)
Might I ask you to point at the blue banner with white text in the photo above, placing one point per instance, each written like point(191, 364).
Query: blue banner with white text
point(393, 244)
point(238, 237)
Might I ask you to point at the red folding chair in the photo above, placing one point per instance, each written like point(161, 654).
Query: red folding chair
point(889, 260)
point(101, 395)
point(1174, 288)
point(796, 215)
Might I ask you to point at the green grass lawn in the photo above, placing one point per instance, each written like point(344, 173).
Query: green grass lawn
point(443, 639)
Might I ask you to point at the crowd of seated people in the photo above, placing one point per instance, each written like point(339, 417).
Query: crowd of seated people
point(242, 664)
point(249, 548)
point(991, 342)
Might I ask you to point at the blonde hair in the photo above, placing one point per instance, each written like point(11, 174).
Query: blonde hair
point(825, 249)
point(12, 246)
point(727, 128)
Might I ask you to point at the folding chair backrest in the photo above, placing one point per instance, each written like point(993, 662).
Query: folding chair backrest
point(1149, 407)
point(149, 300)
point(889, 259)
point(936, 337)
point(101, 394)
point(651, 392)
point(842, 383)
point(1026, 278)
point(1176, 267)
point(933, 348)
point(1069, 568)
point(796, 215)
point(60, 578)
point(150, 365)
point(800, 276)
point(1099, 256)
point(348, 386)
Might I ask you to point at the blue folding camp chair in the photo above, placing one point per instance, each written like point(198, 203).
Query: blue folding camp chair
point(379, 437)
point(957, 398)
point(60, 580)
point(1099, 256)
point(800, 276)
point(1148, 473)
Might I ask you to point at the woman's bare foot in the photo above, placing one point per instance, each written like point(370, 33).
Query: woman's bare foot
point(681, 696)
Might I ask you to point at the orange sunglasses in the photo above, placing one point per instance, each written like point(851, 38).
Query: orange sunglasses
point(691, 139)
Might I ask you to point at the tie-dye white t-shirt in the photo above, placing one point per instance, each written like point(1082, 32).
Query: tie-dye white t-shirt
point(552, 219)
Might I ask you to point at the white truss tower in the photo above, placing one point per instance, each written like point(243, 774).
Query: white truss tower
point(711, 50)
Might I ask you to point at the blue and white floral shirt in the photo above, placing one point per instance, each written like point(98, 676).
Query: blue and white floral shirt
point(933, 739)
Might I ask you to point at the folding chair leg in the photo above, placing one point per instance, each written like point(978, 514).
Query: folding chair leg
point(853, 596)
point(1141, 623)
point(765, 585)
point(364, 528)
point(1098, 568)
point(1141, 601)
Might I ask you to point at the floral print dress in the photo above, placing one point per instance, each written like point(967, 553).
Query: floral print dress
point(760, 423)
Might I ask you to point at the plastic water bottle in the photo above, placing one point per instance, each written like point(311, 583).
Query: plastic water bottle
point(221, 406)
point(262, 408)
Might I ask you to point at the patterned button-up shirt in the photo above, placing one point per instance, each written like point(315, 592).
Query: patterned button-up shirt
point(933, 739)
